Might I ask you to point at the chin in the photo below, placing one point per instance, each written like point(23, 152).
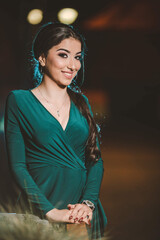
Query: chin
point(64, 85)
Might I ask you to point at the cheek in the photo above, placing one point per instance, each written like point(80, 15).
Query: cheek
point(78, 66)
point(57, 63)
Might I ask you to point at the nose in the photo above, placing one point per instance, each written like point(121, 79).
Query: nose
point(71, 64)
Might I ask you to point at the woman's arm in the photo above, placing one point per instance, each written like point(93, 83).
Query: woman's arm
point(92, 187)
point(93, 184)
point(94, 176)
point(16, 156)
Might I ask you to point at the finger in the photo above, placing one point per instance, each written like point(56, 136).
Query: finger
point(78, 206)
point(73, 217)
point(84, 215)
point(71, 206)
point(69, 217)
point(75, 210)
point(88, 222)
point(71, 220)
point(89, 216)
point(80, 213)
point(83, 212)
point(75, 214)
point(79, 216)
point(85, 208)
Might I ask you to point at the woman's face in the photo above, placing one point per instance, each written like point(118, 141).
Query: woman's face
point(63, 61)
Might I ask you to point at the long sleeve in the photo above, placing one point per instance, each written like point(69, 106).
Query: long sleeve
point(15, 147)
point(94, 175)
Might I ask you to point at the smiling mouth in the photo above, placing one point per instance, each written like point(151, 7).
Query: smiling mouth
point(68, 74)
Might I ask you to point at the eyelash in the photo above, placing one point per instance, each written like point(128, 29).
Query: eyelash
point(64, 54)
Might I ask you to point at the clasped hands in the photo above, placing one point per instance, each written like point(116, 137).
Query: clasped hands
point(76, 213)
point(80, 213)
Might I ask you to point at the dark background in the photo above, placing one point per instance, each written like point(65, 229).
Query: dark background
point(122, 81)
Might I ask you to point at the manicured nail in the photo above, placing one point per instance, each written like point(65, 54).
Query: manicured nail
point(81, 219)
point(75, 219)
point(69, 208)
point(70, 217)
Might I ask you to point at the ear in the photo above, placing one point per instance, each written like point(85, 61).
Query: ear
point(42, 60)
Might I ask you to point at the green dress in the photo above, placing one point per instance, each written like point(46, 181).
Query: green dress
point(47, 161)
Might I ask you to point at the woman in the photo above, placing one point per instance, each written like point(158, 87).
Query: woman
point(51, 137)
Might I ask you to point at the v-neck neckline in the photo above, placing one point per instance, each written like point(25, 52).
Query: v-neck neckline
point(64, 130)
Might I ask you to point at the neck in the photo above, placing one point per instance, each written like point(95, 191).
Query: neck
point(52, 90)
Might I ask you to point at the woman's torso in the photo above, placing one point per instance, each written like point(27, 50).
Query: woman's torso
point(55, 157)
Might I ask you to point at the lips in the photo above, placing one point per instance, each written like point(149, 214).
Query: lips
point(67, 74)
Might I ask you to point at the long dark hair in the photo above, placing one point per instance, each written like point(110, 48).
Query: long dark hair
point(49, 35)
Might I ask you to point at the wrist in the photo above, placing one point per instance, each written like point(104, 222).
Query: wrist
point(52, 211)
point(89, 204)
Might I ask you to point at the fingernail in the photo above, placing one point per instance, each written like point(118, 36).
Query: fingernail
point(70, 217)
point(75, 219)
point(81, 219)
point(69, 208)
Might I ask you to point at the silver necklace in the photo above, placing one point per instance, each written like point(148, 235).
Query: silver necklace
point(52, 104)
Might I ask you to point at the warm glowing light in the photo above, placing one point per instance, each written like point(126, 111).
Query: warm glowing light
point(35, 16)
point(67, 15)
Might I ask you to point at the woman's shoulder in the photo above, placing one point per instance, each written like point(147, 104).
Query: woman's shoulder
point(17, 94)
point(16, 97)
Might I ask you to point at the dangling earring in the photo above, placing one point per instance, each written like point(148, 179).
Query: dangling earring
point(74, 83)
point(75, 78)
point(41, 67)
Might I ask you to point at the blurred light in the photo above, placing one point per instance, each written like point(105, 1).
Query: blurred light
point(35, 16)
point(67, 15)
point(137, 14)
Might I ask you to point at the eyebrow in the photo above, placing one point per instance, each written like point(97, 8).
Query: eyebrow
point(66, 50)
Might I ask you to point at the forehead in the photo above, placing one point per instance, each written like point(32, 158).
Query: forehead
point(71, 44)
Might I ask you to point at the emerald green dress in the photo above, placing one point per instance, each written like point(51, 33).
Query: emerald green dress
point(47, 161)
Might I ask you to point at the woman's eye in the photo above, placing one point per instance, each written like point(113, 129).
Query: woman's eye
point(64, 55)
point(79, 58)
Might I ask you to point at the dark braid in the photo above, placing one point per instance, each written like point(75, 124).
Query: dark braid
point(92, 151)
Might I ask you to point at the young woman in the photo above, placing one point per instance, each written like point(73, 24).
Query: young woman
point(51, 137)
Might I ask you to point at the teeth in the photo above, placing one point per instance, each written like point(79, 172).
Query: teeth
point(68, 74)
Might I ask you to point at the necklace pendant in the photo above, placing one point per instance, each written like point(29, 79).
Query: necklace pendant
point(58, 113)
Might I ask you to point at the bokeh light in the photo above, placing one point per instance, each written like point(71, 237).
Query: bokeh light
point(67, 15)
point(35, 16)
